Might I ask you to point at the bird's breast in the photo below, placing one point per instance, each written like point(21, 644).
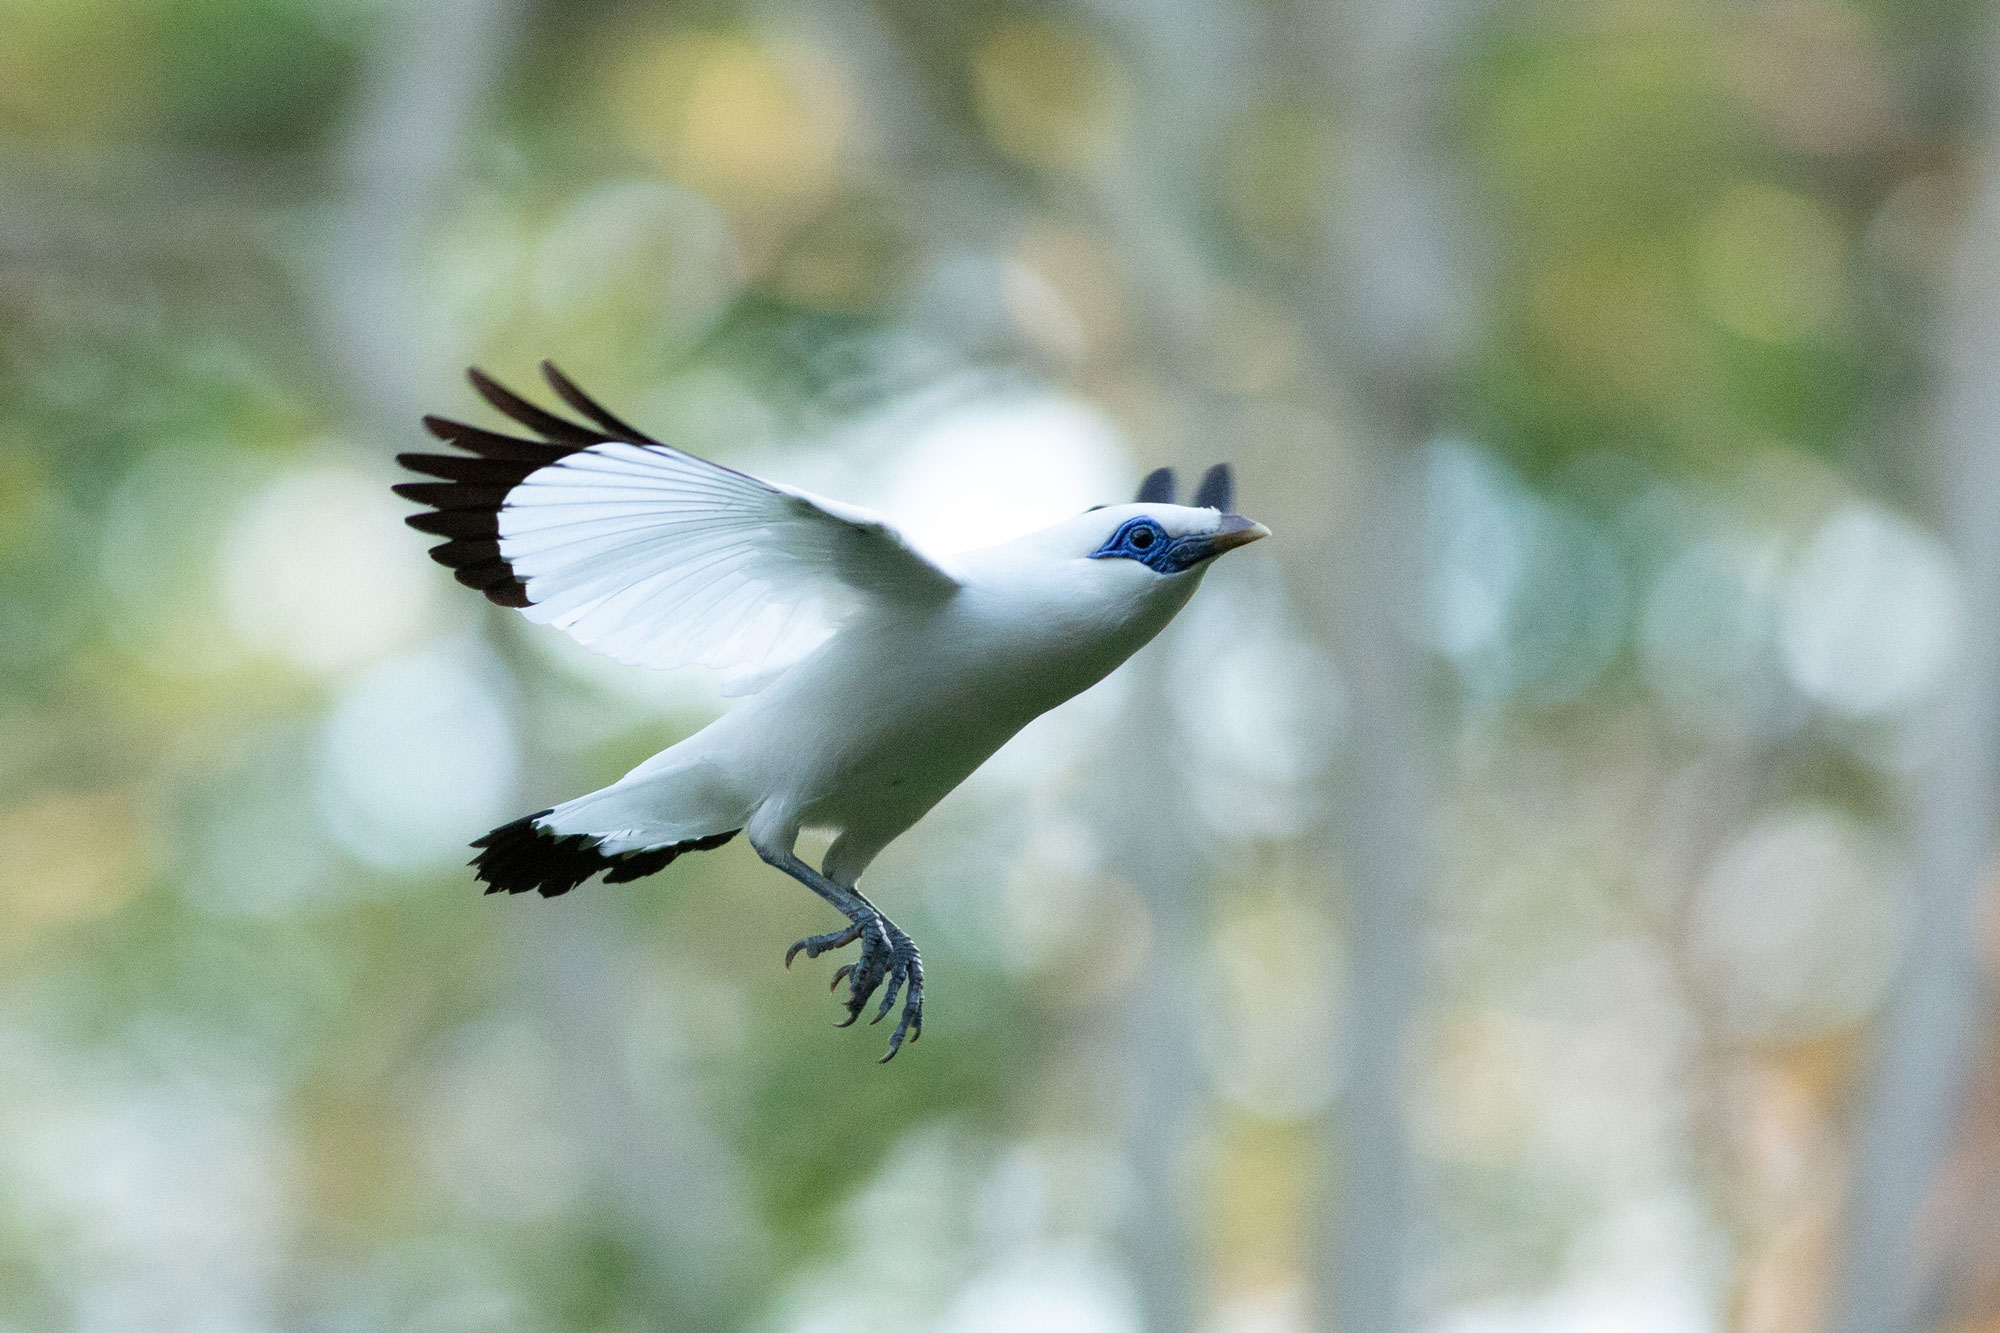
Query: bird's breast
point(898, 710)
point(981, 668)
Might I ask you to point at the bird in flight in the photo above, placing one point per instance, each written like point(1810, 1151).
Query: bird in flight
point(879, 677)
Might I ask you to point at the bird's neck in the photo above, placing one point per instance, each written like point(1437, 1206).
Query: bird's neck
point(1083, 620)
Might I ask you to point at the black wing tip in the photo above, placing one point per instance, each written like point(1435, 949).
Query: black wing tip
point(498, 395)
point(481, 496)
point(459, 552)
point(564, 386)
point(567, 390)
point(465, 504)
point(573, 435)
point(523, 856)
point(559, 433)
point(1157, 488)
point(1217, 489)
point(484, 574)
point(471, 524)
point(415, 490)
point(446, 466)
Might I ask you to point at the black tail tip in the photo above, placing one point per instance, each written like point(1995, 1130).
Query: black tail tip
point(524, 856)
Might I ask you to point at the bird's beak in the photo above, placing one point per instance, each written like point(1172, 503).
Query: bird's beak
point(1236, 531)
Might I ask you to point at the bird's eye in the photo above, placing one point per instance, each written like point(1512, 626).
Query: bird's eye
point(1141, 538)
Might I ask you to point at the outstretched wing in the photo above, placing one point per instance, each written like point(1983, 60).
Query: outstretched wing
point(647, 554)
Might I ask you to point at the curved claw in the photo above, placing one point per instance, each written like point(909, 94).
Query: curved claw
point(815, 945)
point(856, 1002)
point(908, 968)
point(841, 972)
point(896, 976)
point(859, 994)
point(912, 1020)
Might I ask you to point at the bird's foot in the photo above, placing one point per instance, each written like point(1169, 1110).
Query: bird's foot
point(887, 954)
point(905, 973)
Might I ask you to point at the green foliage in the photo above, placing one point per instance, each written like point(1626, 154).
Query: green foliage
point(263, 76)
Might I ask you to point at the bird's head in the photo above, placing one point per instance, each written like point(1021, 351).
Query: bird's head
point(1133, 565)
point(1168, 538)
point(1117, 573)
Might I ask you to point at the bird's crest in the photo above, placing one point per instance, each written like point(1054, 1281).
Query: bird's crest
point(1157, 488)
point(1217, 489)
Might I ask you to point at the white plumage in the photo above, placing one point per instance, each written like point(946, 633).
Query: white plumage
point(881, 677)
point(661, 559)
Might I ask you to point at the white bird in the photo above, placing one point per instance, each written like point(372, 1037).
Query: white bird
point(880, 677)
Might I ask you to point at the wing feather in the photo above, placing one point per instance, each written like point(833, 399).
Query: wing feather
point(566, 389)
point(646, 553)
point(510, 404)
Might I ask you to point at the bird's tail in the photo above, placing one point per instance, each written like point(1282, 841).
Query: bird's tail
point(630, 829)
point(524, 855)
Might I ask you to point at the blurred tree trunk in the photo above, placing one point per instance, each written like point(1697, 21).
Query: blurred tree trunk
point(1388, 314)
point(1384, 834)
point(1145, 202)
point(1164, 1091)
point(434, 66)
point(1931, 1032)
point(1381, 321)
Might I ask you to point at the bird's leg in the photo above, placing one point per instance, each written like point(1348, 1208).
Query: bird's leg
point(887, 953)
point(864, 921)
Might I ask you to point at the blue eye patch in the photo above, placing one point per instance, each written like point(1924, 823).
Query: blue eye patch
point(1146, 541)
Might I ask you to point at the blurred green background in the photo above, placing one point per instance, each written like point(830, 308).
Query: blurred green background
point(1546, 889)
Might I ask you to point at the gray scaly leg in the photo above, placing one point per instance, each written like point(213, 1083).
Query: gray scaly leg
point(886, 953)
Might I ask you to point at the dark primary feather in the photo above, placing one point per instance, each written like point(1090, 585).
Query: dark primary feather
point(466, 551)
point(557, 429)
point(484, 574)
point(449, 495)
point(566, 388)
point(458, 467)
point(454, 523)
point(1157, 488)
point(487, 444)
point(465, 504)
point(1217, 490)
